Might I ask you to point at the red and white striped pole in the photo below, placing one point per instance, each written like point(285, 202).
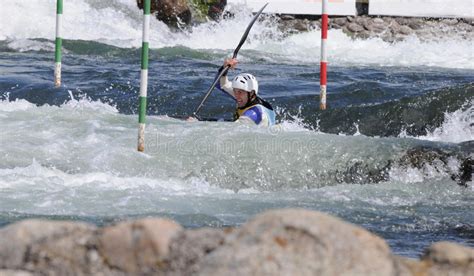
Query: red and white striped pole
point(324, 61)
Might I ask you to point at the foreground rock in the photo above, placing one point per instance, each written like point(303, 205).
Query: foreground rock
point(298, 242)
point(281, 242)
point(442, 258)
point(74, 248)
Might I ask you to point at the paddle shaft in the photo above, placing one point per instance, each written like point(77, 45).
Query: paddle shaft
point(209, 91)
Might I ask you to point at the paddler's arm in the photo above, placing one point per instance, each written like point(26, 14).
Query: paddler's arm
point(224, 84)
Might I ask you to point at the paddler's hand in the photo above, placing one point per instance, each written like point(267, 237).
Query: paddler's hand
point(232, 62)
point(192, 119)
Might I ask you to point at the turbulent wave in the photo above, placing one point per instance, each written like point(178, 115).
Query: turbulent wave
point(219, 154)
point(440, 115)
point(78, 160)
point(118, 23)
point(457, 126)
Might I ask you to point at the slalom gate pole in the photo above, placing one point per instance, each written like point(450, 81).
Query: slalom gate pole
point(323, 67)
point(143, 76)
point(59, 43)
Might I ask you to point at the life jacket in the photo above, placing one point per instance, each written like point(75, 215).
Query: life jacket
point(263, 111)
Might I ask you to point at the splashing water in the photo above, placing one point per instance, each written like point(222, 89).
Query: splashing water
point(119, 22)
point(71, 152)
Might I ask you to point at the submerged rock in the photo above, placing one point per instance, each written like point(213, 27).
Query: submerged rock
point(456, 162)
point(440, 159)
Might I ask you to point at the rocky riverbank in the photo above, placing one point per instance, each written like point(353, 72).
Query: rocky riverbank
point(181, 13)
point(280, 242)
point(387, 28)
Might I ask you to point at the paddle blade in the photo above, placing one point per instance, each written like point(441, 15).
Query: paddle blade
point(244, 37)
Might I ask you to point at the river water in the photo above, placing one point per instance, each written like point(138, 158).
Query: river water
point(70, 153)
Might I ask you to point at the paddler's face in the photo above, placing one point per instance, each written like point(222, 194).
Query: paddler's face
point(241, 96)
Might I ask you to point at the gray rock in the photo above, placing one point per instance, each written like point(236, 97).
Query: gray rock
point(466, 170)
point(280, 242)
point(445, 258)
point(138, 247)
point(19, 240)
point(360, 173)
point(171, 12)
point(448, 253)
point(375, 26)
point(450, 22)
point(388, 37)
point(299, 242)
point(301, 25)
point(355, 28)
point(402, 20)
point(378, 20)
point(341, 21)
point(191, 246)
point(287, 17)
point(394, 27)
point(316, 25)
point(405, 266)
point(421, 156)
point(364, 34)
point(405, 30)
point(464, 27)
point(361, 20)
point(9, 272)
point(65, 255)
point(416, 24)
point(335, 26)
point(350, 18)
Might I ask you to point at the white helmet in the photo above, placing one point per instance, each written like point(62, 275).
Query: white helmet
point(246, 82)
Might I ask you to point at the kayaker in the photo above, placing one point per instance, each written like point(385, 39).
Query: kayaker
point(244, 90)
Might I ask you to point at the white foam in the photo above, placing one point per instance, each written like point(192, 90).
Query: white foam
point(120, 20)
point(16, 105)
point(44, 177)
point(436, 170)
point(343, 51)
point(84, 102)
point(119, 23)
point(457, 127)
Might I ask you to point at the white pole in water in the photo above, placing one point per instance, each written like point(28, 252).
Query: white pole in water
point(59, 42)
point(323, 67)
point(143, 76)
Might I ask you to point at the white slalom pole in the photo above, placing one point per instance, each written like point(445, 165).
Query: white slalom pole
point(58, 44)
point(144, 76)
